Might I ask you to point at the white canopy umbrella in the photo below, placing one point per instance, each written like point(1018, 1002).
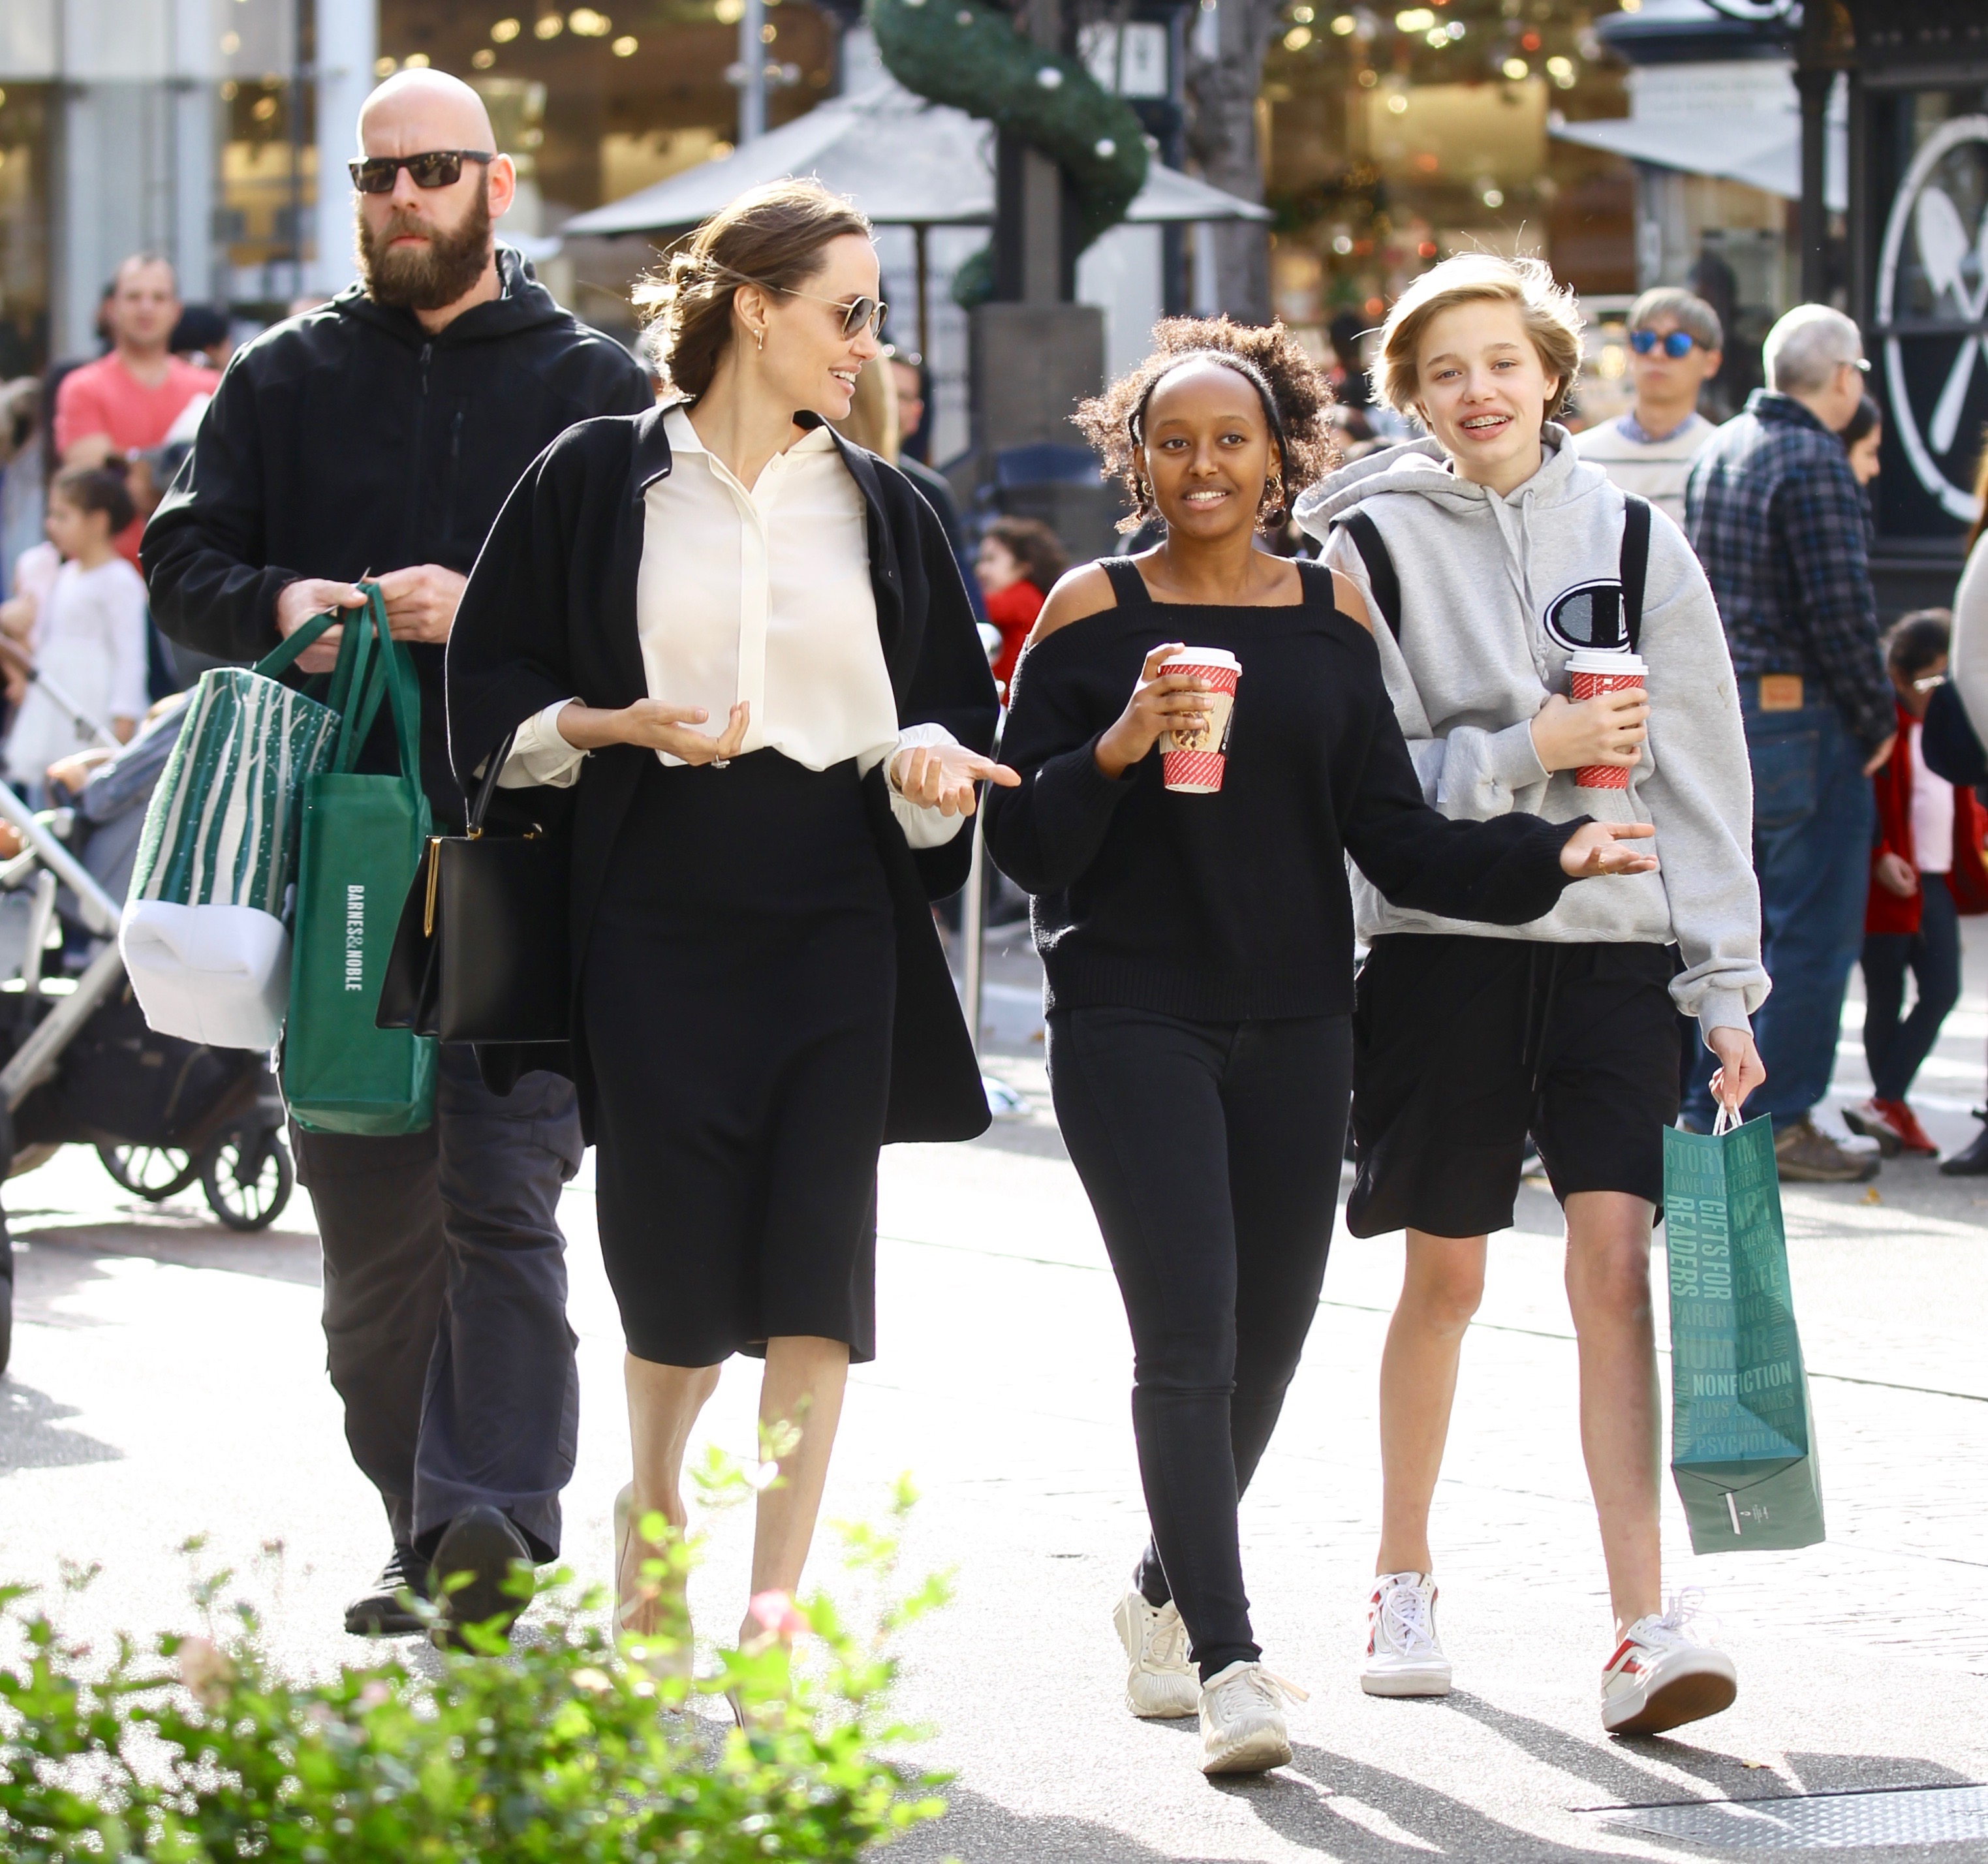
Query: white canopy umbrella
point(904, 161)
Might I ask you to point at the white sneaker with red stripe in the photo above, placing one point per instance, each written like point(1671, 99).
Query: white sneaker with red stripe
point(1403, 1656)
point(1661, 1676)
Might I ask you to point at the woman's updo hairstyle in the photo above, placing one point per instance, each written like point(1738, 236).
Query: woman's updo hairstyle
point(771, 235)
point(1294, 392)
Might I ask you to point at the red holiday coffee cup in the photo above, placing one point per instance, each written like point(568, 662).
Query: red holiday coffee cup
point(1591, 671)
point(1192, 762)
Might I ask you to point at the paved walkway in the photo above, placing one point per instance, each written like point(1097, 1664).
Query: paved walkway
point(168, 1382)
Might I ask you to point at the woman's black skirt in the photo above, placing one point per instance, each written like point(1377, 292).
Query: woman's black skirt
point(738, 993)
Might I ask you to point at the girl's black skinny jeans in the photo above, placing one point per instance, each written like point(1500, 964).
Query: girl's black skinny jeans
point(1211, 1154)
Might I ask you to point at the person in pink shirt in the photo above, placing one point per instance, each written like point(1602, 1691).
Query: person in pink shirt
point(129, 399)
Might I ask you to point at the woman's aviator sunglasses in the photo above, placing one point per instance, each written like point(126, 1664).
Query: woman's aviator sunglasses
point(375, 174)
point(1676, 343)
point(856, 313)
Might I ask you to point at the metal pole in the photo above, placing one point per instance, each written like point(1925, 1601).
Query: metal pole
point(752, 73)
point(972, 933)
point(1814, 84)
point(924, 260)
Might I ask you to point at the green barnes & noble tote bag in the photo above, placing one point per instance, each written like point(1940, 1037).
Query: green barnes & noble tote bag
point(361, 842)
point(1742, 1440)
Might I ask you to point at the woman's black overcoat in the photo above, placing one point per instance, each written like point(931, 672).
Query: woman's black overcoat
point(549, 614)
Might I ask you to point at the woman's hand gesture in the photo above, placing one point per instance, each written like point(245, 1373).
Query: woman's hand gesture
point(941, 776)
point(1162, 702)
point(1608, 728)
point(1594, 849)
point(656, 727)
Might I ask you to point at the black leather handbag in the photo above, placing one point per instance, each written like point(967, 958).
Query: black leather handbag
point(481, 953)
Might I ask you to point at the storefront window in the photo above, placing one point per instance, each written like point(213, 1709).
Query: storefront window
point(598, 102)
point(1393, 141)
point(24, 223)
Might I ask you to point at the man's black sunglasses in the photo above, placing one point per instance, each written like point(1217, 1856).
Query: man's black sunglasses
point(375, 174)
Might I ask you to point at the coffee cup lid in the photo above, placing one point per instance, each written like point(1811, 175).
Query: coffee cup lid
point(1205, 657)
point(1605, 660)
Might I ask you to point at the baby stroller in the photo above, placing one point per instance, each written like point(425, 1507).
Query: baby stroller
point(80, 1067)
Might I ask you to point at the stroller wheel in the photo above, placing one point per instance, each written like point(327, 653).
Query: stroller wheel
point(152, 1172)
point(248, 1178)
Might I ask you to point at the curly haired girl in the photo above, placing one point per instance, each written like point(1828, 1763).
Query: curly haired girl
point(1294, 395)
point(1196, 935)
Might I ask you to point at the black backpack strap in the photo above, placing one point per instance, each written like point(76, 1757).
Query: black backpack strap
point(1126, 584)
point(1381, 576)
point(1635, 565)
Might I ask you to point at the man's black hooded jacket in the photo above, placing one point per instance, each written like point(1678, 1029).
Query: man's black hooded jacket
point(348, 441)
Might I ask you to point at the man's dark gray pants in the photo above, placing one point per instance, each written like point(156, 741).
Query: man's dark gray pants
point(444, 1303)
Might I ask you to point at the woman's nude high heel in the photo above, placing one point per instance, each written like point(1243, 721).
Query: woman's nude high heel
point(657, 1611)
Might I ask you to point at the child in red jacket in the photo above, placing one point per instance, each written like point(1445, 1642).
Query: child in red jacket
point(1926, 869)
point(1018, 564)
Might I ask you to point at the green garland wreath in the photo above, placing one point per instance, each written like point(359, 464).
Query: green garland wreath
point(968, 54)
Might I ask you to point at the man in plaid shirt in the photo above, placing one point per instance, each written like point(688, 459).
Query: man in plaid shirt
point(1781, 527)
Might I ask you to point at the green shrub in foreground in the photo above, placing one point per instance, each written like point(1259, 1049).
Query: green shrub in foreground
point(555, 1748)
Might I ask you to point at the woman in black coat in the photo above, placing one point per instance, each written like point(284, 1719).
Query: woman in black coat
point(760, 1000)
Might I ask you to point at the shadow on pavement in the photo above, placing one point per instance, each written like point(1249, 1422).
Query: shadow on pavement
point(979, 1831)
point(1863, 1773)
point(60, 1254)
point(1608, 1765)
point(1431, 1823)
point(29, 1438)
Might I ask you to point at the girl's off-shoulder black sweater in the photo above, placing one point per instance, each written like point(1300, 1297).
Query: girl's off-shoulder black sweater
point(1234, 906)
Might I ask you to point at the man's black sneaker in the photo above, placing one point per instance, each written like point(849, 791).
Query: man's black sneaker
point(482, 1542)
point(380, 1612)
point(1971, 1163)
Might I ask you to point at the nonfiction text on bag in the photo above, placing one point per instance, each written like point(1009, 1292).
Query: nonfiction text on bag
point(1719, 1306)
point(355, 937)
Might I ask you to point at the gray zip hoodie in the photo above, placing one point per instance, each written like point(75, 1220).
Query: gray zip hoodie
point(1484, 578)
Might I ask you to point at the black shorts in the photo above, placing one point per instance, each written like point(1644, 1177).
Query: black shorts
point(1461, 1046)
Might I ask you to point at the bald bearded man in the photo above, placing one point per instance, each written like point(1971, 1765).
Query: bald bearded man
point(380, 433)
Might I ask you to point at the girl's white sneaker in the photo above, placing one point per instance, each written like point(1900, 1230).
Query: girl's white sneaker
point(1160, 1682)
point(1403, 1656)
point(1661, 1676)
point(1243, 1728)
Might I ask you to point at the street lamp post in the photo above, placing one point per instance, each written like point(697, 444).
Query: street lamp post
point(752, 80)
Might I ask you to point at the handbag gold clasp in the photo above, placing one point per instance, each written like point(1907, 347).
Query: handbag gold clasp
point(434, 873)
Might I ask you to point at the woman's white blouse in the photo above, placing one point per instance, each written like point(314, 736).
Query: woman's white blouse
point(761, 594)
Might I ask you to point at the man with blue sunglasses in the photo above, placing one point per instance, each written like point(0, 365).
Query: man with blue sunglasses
point(1675, 340)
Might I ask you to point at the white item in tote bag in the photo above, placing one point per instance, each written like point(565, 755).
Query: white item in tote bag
point(203, 933)
point(210, 973)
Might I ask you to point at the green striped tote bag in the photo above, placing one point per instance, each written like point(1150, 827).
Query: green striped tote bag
point(205, 933)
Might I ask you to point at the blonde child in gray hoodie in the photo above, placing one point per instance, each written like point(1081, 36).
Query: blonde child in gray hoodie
point(1484, 556)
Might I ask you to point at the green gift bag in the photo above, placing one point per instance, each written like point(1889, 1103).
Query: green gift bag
point(1743, 1440)
point(362, 840)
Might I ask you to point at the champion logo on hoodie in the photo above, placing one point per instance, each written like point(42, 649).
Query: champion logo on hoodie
point(1588, 615)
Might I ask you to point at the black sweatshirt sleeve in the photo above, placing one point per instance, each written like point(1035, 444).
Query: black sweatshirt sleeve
point(202, 551)
point(1505, 871)
point(508, 653)
point(1044, 835)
